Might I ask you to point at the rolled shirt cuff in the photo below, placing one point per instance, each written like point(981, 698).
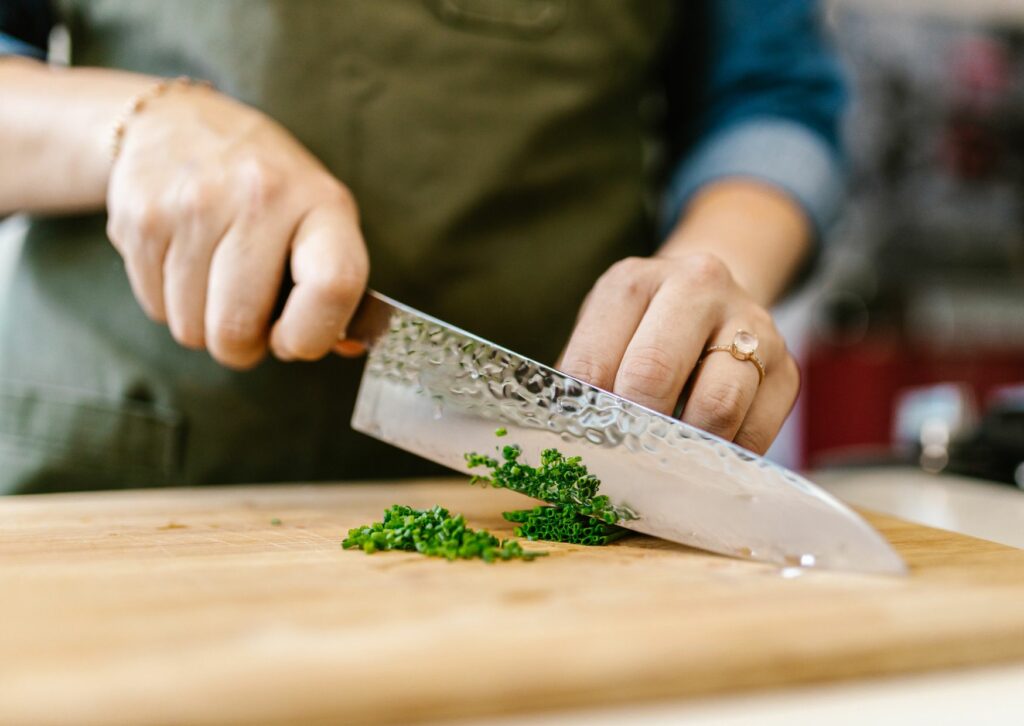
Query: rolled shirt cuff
point(780, 152)
point(9, 45)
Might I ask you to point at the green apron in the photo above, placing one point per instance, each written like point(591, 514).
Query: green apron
point(497, 151)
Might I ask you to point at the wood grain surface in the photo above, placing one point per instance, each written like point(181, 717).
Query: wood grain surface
point(190, 606)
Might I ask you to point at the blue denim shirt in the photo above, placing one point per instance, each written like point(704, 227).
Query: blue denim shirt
point(767, 108)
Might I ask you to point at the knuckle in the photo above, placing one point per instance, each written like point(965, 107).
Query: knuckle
point(589, 368)
point(307, 350)
point(628, 266)
point(151, 309)
point(262, 183)
point(238, 360)
point(340, 195)
point(155, 311)
point(185, 261)
point(339, 288)
point(719, 407)
point(647, 373)
point(756, 441)
point(626, 269)
point(235, 335)
point(115, 231)
point(703, 269)
point(626, 277)
point(187, 334)
point(198, 197)
point(148, 221)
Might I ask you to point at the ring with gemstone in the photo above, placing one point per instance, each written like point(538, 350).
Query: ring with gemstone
point(743, 347)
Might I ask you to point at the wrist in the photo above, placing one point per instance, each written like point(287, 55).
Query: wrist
point(760, 234)
point(682, 245)
point(111, 92)
point(139, 103)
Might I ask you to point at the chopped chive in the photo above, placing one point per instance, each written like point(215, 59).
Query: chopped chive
point(575, 512)
point(433, 532)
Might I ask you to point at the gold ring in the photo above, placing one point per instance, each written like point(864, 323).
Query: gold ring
point(743, 347)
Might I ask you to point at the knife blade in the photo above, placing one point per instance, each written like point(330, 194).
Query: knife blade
point(438, 391)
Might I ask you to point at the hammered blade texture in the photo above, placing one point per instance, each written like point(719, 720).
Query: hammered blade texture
point(489, 382)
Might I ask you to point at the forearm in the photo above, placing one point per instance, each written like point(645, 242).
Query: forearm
point(55, 134)
point(759, 232)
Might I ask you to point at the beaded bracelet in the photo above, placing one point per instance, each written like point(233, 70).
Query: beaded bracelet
point(138, 102)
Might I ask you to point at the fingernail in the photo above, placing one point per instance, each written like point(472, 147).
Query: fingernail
point(349, 348)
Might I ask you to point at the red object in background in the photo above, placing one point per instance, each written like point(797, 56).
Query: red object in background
point(970, 151)
point(850, 392)
point(981, 70)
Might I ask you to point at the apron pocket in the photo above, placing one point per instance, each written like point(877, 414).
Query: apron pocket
point(522, 18)
point(54, 438)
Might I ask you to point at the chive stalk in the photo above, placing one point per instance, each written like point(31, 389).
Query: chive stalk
point(433, 532)
point(574, 513)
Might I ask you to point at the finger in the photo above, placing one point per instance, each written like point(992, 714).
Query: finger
point(330, 269)
point(141, 234)
point(245, 275)
point(202, 224)
point(770, 408)
point(607, 321)
point(144, 267)
point(665, 347)
point(186, 277)
point(722, 394)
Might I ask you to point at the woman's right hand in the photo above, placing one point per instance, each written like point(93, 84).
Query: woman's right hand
point(207, 202)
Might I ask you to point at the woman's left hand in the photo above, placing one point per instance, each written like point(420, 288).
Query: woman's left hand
point(645, 326)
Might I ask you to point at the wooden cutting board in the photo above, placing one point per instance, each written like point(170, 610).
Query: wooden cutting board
point(190, 606)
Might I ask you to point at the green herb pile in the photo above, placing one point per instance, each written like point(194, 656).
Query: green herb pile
point(433, 532)
point(575, 513)
point(562, 524)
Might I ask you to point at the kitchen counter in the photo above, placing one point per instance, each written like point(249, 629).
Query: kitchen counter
point(979, 508)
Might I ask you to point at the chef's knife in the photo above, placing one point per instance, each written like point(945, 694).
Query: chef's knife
point(439, 392)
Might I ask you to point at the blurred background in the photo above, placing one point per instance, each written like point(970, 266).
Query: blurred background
point(911, 333)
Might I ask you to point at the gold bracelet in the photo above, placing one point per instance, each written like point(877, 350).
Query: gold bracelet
point(138, 102)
